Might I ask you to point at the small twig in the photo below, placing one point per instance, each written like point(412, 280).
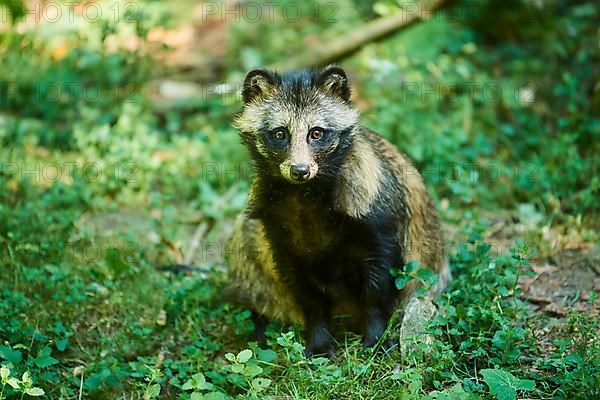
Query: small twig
point(195, 243)
point(171, 246)
point(203, 228)
point(81, 386)
point(527, 284)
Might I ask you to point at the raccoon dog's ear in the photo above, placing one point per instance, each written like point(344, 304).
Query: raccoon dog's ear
point(258, 83)
point(333, 81)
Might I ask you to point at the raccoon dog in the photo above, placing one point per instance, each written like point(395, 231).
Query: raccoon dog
point(332, 209)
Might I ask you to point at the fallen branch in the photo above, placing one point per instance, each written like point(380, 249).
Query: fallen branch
point(179, 95)
point(355, 39)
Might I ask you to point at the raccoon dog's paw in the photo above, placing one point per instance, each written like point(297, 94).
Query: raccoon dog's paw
point(260, 326)
point(326, 349)
point(321, 343)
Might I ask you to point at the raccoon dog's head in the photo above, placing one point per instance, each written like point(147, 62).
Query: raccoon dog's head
point(299, 125)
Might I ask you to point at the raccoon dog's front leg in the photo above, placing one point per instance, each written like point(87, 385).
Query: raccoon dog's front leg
point(380, 295)
point(316, 308)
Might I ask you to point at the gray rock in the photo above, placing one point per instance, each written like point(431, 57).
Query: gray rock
point(418, 312)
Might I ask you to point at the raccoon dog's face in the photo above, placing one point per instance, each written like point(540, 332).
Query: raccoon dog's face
point(299, 125)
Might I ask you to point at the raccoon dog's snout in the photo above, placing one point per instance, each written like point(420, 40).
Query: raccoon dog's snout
point(300, 172)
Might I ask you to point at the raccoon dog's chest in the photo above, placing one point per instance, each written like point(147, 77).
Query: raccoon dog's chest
point(330, 249)
point(304, 225)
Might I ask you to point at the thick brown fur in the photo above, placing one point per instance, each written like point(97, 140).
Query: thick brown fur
point(371, 183)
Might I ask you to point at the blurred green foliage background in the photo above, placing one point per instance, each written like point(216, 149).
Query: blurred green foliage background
point(118, 158)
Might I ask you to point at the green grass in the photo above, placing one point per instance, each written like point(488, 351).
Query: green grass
point(90, 308)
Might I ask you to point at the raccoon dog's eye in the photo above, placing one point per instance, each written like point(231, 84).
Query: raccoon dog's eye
point(316, 133)
point(279, 134)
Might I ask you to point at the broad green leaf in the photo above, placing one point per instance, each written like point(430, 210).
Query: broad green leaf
point(214, 396)
point(12, 356)
point(237, 368)
point(198, 378)
point(411, 266)
point(266, 355)
point(61, 344)
point(421, 290)
point(401, 282)
point(253, 370)
point(205, 386)
point(427, 276)
point(198, 382)
point(261, 384)
point(35, 391)
point(13, 382)
point(504, 385)
point(244, 356)
point(44, 359)
point(26, 379)
point(196, 396)
point(4, 373)
point(153, 391)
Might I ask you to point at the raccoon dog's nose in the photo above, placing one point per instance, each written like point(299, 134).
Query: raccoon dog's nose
point(299, 172)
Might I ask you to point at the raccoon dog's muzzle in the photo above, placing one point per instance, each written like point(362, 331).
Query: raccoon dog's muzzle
point(298, 171)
